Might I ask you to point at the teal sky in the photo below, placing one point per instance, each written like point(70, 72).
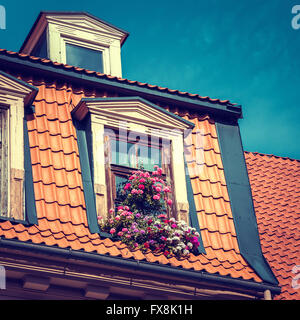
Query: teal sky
point(242, 50)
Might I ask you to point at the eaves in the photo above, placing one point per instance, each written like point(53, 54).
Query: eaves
point(166, 271)
point(48, 69)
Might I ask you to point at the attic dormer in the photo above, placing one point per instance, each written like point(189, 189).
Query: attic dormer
point(78, 39)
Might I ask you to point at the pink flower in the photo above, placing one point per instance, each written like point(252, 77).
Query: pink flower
point(120, 208)
point(156, 197)
point(174, 225)
point(166, 189)
point(142, 180)
point(127, 186)
point(120, 233)
point(158, 189)
point(124, 230)
point(141, 186)
point(140, 192)
point(169, 202)
point(132, 177)
point(117, 218)
point(134, 191)
point(111, 210)
point(112, 230)
point(126, 208)
point(146, 245)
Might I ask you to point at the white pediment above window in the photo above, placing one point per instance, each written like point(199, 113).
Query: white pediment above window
point(83, 22)
point(130, 110)
point(11, 88)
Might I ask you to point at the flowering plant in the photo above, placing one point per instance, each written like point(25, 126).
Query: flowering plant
point(146, 193)
point(157, 233)
point(136, 227)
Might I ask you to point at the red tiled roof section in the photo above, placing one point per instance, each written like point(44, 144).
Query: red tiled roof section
point(109, 77)
point(60, 201)
point(212, 202)
point(275, 184)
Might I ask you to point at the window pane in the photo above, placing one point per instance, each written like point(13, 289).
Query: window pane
point(84, 58)
point(134, 155)
point(120, 183)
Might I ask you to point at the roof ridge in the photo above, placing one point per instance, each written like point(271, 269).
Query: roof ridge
point(119, 79)
point(270, 155)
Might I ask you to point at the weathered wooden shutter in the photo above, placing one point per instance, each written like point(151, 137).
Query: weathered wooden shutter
point(3, 163)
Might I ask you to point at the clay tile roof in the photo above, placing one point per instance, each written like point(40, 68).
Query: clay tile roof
point(60, 204)
point(275, 184)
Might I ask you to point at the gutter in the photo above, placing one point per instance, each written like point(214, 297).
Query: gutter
point(57, 72)
point(136, 265)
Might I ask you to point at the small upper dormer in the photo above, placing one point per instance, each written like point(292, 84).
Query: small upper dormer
point(78, 39)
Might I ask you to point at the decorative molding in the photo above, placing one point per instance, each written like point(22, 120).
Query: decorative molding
point(36, 283)
point(130, 110)
point(96, 292)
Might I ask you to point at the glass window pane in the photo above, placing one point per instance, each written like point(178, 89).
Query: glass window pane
point(134, 155)
point(84, 58)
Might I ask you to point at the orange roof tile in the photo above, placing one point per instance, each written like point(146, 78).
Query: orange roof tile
point(275, 184)
point(60, 204)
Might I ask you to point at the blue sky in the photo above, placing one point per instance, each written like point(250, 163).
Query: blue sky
point(242, 50)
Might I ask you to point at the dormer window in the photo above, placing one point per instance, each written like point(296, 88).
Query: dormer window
point(77, 39)
point(120, 135)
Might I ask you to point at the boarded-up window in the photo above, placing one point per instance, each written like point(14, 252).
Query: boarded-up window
point(3, 162)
